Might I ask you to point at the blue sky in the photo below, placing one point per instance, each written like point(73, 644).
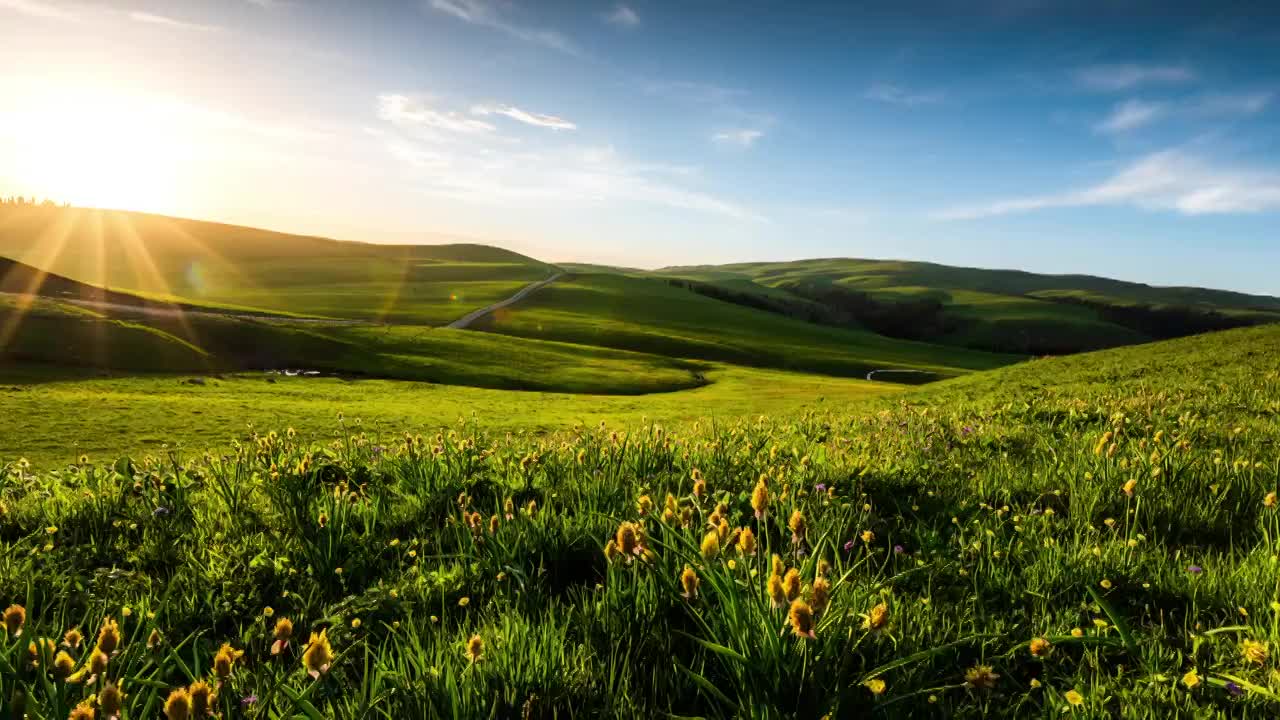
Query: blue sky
point(1138, 140)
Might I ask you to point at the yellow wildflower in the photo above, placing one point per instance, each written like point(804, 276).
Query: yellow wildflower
point(747, 542)
point(711, 545)
point(224, 661)
point(1040, 647)
point(689, 581)
point(801, 619)
point(178, 706)
point(877, 619)
point(475, 649)
point(1191, 679)
point(203, 698)
point(1255, 652)
point(15, 616)
point(109, 636)
point(791, 584)
point(1074, 697)
point(111, 700)
point(875, 685)
point(982, 677)
point(318, 655)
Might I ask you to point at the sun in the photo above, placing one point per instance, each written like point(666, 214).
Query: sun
point(98, 149)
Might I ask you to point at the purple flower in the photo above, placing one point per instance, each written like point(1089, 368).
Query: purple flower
point(966, 430)
point(1195, 569)
point(848, 547)
point(249, 700)
point(820, 487)
point(898, 549)
point(1234, 689)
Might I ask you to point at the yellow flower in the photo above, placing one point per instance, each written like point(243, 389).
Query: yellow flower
point(747, 542)
point(801, 618)
point(63, 665)
point(1106, 584)
point(1269, 500)
point(178, 706)
point(877, 619)
point(109, 636)
point(355, 624)
point(821, 594)
point(15, 616)
point(760, 498)
point(644, 505)
point(475, 649)
point(1255, 652)
point(72, 638)
point(689, 581)
point(875, 685)
point(1040, 647)
point(611, 550)
point(268, 612)
point(154, 639)
point(83, 711)
point(1035, 684)
point(1077, 632)
point(1074, 698)
point(111, 700)
point(1129, 487)
point(628, 539)
point(318, 655)
point(1191, 679)
point(791, 584)
point(203, 698)
point(778, 567)
point(97, 662)
point(464, 601)
point(711, 545)
point(799, 528)
point(777, 595)
point(981, 677)
point(224, 661)
point(868, 537)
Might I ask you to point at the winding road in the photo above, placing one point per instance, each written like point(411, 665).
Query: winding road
point(474, 315)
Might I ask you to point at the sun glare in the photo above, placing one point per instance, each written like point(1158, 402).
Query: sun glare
point(100, 150)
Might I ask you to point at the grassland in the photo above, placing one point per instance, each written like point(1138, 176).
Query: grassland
point(1091, 536)
point(648, 315)
point(259, 270)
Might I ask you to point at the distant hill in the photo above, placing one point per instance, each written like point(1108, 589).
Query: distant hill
point(998, 310)
point(248, 268)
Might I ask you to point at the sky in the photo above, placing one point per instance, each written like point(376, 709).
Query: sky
point(1131, 139)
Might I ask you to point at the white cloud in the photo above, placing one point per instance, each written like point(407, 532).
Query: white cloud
point(1170, 180)
point(1131, 114)
point(743, 137)
point(1113, 78)
point(412, 112)
point(482, 12)
point(1237, 104)
point(895, 95)
point(623, 16)
point(524, 116)
point(151, 19)
point(35, 8)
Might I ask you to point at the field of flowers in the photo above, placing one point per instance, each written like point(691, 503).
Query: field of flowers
point(1094, 536)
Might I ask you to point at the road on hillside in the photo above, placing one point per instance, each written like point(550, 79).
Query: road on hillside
point(474, 315)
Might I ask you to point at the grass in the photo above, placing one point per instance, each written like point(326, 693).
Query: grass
point(648, 315)
point(1091, 536)
point(246, 268)
point(48, 410)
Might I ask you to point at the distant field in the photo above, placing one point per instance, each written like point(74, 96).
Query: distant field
point(53, 416)
point(648, 315)
point(211, 263)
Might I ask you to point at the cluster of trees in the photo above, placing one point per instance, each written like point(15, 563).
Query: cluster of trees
point(1164, 322)
point(33, 201)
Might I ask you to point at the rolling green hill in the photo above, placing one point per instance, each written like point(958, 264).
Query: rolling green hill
point(999, 310)
point(246, 268)
point(652, 316)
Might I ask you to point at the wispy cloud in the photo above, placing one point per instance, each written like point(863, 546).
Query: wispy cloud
point(151, 19)
point(622, 16)
point(35, 8)
point(486, 14)
point(1129, 115)
point(406, 111)
point(524, 116)
point(1170, 180)
point(741, 137)
point(1134, 113)
point(896, 95)
point(1126, 76)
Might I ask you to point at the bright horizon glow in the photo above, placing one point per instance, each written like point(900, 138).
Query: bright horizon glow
point(1054, 137)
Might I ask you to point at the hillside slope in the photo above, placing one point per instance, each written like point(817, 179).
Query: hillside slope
point(247, 268)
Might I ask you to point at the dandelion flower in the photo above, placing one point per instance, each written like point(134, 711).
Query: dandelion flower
point(98, 662)
point(63, 665)
point(1106, 584)
point(611, 550)
point(1255, 652)
point(801, 619)
point(868, 537)
point(111, 700)
point(224, 661)
point(318, 655)
point(791, 584)
point(877, 619)
point(1040, 647)
point(15, 616)
point(627, 539)
point(1074, 698)
point(268, 612)
point(799, 527)
point(464, 601)
point(178, 706)
point(981, 677)
point(875, 685)
point(821, 594)
point(282, 634)
point(689, 581)
point(778, 567)
point(1129, 487)
point(1191, 679)
point(475, 649)
point(1077, 632)
point(1035, 684)
point(109, 636)
point(777, 595)
point(760, 499)
point(203, 698)
point(711, 545)
point(72, 638)
point(699, 488)
point(83, 711)
point(355, 623)
point(747, 542)
point(1269, 500)
point(644, 505)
